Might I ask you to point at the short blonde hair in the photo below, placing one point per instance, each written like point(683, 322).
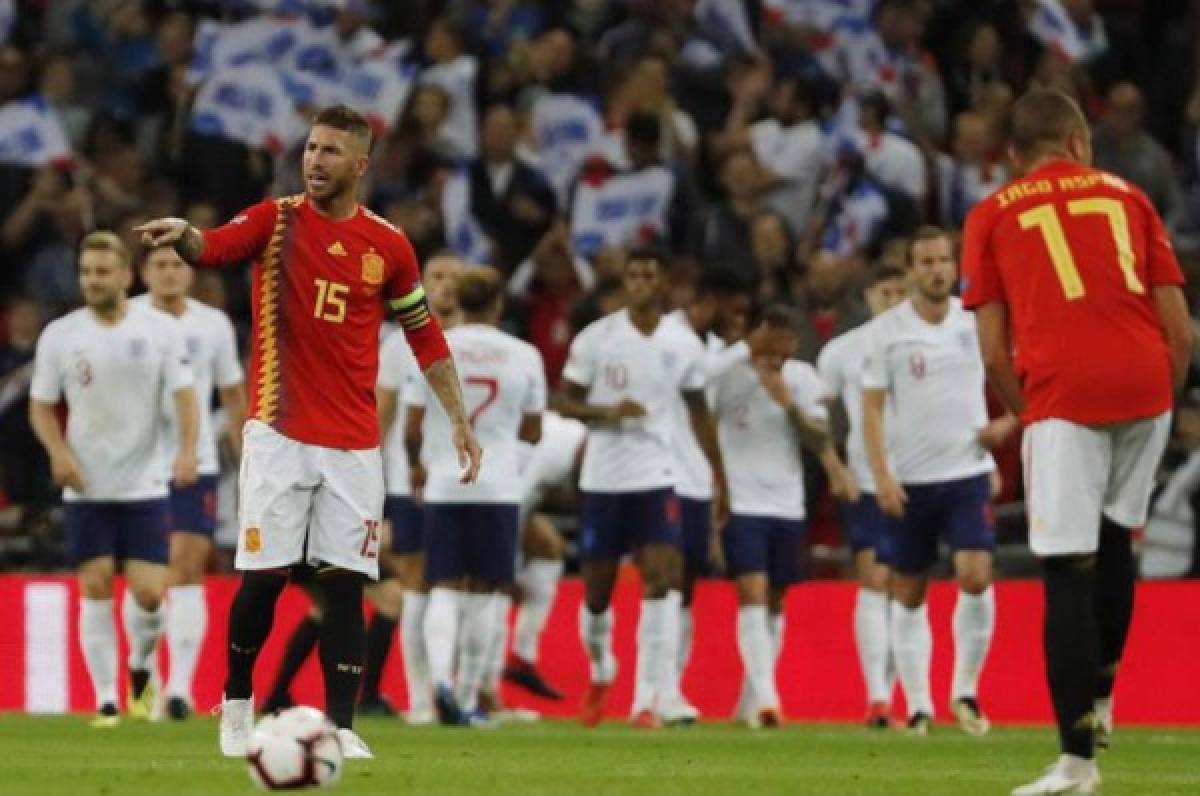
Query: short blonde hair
point(103, 240)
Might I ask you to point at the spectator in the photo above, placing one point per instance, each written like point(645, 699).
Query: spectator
point(976, 67)
point(891, 159)
point(645, 90)
point(972, 172)
point(1122, 145)
point(454, 71)
point(24, 468)
point(57, 85)
point(831, 306)
point(723, 238)
point(772, 249)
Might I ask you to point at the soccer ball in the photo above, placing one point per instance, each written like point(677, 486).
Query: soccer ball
point(297, 748)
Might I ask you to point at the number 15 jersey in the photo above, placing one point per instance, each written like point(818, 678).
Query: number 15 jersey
point(1075, 254)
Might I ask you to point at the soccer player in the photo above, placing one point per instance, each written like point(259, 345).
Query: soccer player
point(115, 363)
point(841, 364)
point(932, 467)
point(312, 475)
point(1071, 268)
point(621, 377)
point(397, 373)
point(767, 410)
point(212, 350)
point(471, 529)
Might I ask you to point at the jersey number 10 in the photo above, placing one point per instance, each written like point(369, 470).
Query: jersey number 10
point(1045, 219)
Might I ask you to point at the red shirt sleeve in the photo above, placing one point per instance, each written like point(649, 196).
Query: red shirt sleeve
point(406, 297)
point(1162, 266)
point(981, 280)
point(245, 236)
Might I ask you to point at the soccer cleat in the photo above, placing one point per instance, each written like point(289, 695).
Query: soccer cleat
point(678, 712)
point(376, 706)
point(178, 708)
point(592, 710)
point(277, 703)
point(646, 720)
point(106, 717)
point(524, 674)
point(139, 702)
point(353, 747)
point(919, 723)
point(448, 711)
point(769, 718)
point(970, 716)
point(1067, 775)
point(480, 719)
point(879, 716)
point(420, 717)
point(1103, 710)
point(237, 721)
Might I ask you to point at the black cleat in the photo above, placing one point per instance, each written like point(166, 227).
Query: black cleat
point(920, 723)
point(178, 708)
point(524, 674)
point(448, 711)
point(376, 706)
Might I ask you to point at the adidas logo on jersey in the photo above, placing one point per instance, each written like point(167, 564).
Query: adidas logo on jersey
point(337, 249)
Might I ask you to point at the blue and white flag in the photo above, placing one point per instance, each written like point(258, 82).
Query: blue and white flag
point(31, 133)
point(566, 129)
point(1053, 27)
point(626, 208)
point(250, 104)
point(464, 234)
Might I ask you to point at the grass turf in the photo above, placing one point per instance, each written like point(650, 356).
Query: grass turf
point(62, 755)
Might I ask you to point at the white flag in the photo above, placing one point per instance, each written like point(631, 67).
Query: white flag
point(626, 208)
point(566, 129)
point(31, 133)
point(464, 234)
point(249, 104)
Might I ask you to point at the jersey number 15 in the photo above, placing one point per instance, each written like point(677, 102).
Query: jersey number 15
point(1044, 218)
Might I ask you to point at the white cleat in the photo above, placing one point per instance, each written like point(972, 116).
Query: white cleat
point(237, 722)
point(678, 712)
point(1069, 775)
point(1103, 709)
point(970, 716)
point(353, 747)
point(420, 717)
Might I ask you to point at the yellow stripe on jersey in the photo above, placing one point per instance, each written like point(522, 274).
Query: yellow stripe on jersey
point(412, 311)
point(404, 302)
point(268, 317)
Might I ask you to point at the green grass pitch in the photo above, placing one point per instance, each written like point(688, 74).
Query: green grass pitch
point(44, 756)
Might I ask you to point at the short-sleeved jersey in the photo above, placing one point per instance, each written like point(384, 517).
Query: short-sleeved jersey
point(1074, 253)
point(398, 371)
point(759, 445)
point(114, 379)
point(552, 460)
point(693, 473)
point(933, 374)
point(616, 362)
point(320, 287)
point(841, 364)
point(503, 380)
point(211, 345)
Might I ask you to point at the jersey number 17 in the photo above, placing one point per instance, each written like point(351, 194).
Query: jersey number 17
point(1045, 219)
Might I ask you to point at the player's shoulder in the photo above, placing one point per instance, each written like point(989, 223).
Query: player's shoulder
point(890, 320)
point(600, 328)
point(208, 315)
point(800, 372)
point(379, 225)
point(146, 314)
point(836, 349)
point(63, 327)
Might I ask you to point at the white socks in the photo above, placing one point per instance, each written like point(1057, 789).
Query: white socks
point(685, 641)
point(477, 633)
point(187, 618)
point(595, 630)
point(441, 634)
point(142, 628)
point(974, 621)
point(652, 646)
point(871, 635)
point(776, 636)
point(671, 673)
point(912, 646)
point(758, 658)
point(539, 578)
point(501, 607)
point(98, 638)
point(412, 648)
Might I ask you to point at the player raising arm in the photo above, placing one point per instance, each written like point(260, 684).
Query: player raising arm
point(312, 475)
point(1071, 268)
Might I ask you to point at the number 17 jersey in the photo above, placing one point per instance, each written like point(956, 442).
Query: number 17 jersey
point(1075, 253)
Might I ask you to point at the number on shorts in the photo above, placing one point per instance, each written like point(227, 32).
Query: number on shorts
point(370, 547)
point(491, 387)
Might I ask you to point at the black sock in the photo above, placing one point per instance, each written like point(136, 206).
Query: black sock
point(250, 619)
point(1115, 578)
point(138, 680)
point(300, 645)
point(380, 633)
point(1071, 641)
point(343, 638)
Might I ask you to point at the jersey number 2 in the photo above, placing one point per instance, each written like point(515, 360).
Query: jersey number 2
point(1045, 219)
point(491, 387)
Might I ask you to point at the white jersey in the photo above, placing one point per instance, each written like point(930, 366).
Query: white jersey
point(934, 376)
point(842, 363)
point(616, 362)
point(759, 446)
point(503, 379)
point(398, 370)
point(693, 473)
point(114, 379)
point(212, 349)
point(552, 460)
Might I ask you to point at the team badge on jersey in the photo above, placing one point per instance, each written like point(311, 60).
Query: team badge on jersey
point(916, 365)
point(372, 268)
point(137, 347)
point(253, 540)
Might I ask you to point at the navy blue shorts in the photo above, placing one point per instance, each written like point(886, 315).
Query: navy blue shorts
point(958, 511)
point(408, 524)
point(615, 523)
point(477, 540)
point(194, 508)
point(135, 529)
point(696, 521)
point(769, 545)
point(866, 524)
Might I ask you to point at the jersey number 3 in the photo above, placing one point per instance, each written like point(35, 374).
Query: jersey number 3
point(1045, 219)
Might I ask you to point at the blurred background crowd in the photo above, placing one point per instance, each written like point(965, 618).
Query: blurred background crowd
point(795, 142)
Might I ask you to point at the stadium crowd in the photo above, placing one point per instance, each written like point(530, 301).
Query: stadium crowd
point(794, 143)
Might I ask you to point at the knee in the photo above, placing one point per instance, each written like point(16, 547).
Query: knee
point(974, 583)
point(657, 582)
point(908, 591)
point(95, 587)
point(148, 598)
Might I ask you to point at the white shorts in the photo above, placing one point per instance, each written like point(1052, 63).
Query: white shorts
point(302, 502)
point(1076, 474)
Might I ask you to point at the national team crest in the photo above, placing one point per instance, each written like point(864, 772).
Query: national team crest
point(253, 540)
point(372, 268)
point(916, 365)
point(137, 347)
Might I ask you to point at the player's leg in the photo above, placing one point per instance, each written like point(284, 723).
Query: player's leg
point(871, 614)
point(658, 554)
point(445, 571)
point(193, 521)
point(142, 535)
point(972, 538)
point(696, 519)
point(300, 643)
point(543, 550)
point(912, 546)
point(408, 561)
point(602, 542)
point(746, 558)
point(385, 596)
point(91, 542)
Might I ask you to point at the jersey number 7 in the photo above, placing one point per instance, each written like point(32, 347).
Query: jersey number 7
point(491, 387)
point(1045, 219)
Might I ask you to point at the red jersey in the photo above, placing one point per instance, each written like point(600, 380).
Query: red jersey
point(320, 288)
point(1074, 253)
